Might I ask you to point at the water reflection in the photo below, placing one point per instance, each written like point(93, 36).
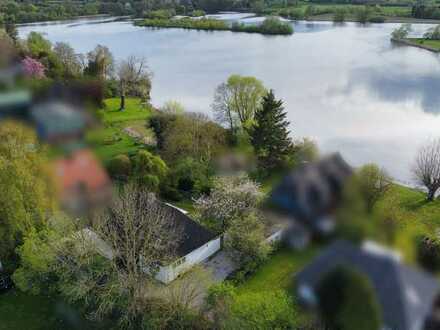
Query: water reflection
point(346, 86)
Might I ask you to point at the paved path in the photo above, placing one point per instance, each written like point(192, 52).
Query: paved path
point(221, 265)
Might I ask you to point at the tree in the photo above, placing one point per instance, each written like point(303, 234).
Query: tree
point(245, 238)
point(37, 45)
point(149, 170)
point(137, 228)
point(433, 33)
point(426, 169)
point(100, 63)
point(68, 58)
point(270, 134)
point(428, 252)
point(134, 79)
point(237, 100)
point(230, 198)
point(192, 135)
point(401, 32)
point(347, 301)
point(33, 68)
point(120, 167)
point(173, 108)
point(373, 183)
point(26, 200)
point(339, 15)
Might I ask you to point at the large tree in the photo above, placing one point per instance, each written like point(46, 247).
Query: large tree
point(347, 300)
point(134, 79)
point(373, 182)
point(68, 58)
point(426, 169)
point(26, 197)
point(237, 100)
point(100, 62)
point(270, 134)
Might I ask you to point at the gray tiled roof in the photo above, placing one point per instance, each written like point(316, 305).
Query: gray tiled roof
point(405, 294)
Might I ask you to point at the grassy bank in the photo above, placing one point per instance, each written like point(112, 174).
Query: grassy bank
point(121, 132)
point(431, 45)
point(269, 26)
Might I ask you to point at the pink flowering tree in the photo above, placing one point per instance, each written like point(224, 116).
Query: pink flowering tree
point(33, 68)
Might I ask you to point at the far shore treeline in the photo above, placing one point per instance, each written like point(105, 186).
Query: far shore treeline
point(271, 25)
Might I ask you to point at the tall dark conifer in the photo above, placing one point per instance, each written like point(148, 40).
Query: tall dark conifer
point(270, 134)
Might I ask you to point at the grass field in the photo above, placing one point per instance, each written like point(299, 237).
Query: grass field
point(20, 311)
point(426, 43)
point(111, 139)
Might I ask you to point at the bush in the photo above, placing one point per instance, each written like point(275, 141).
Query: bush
point(149, 169)
point(347, 301)
point(198, 13)
point(339, 15)
point(428, 252)
point(119, 167)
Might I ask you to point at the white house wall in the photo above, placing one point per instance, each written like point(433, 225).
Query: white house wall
point(169, 273)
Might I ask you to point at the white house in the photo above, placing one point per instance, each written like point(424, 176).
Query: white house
point(195, 245)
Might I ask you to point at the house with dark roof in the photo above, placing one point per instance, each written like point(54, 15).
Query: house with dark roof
point(195, 245)
point(309, 195)
point(406, 295)
point(58, 122)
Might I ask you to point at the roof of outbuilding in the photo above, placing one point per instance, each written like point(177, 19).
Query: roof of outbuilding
point(192, 234)
point(405, 294)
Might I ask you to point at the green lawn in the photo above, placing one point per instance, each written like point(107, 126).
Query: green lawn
point(110, 139)
point(20, 311)
point(434, 44)
point(278, 271)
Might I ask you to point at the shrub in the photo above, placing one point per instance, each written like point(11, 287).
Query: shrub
point(198, 13)
point(119, 167)
point(347, 301)
point(428, 252)
point(149, 169)
point(339, 15)
point(401, 32)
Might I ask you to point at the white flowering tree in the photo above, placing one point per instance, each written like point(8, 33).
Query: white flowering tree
point(230, 198)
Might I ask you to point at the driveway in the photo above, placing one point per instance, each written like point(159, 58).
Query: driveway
point(220, 265)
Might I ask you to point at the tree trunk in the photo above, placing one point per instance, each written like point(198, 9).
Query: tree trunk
point(431, 194)
point(122, 106)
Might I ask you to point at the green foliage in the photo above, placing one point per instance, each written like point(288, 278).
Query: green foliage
point(270, 135)
point(198, 13)
point(339, 15)
point(433, 33)
point(189, 135)
point(172, 107)
point(149, 169)
point(187, 178)
point(246, 235)
point(363, 14)
point(119, 167)
point(268, 310)
point(428, 252)
point(161, 14)
point(401, 32)
point(26, 199)
point(270, 25)
point(373, 183)
point(347, 301)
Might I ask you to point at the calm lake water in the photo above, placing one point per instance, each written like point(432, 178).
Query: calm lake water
point(347, 87)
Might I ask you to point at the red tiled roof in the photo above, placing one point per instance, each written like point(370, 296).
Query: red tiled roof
point(80, 168)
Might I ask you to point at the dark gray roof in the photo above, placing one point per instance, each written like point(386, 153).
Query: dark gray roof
point(192, 235)
point(406, 295)
point(312, 190)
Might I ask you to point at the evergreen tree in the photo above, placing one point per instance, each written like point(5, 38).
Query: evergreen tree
point(270, 134)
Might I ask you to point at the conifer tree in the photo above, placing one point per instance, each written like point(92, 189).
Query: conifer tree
point(270, 135)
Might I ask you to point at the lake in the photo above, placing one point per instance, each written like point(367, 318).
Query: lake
point(345, 86)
